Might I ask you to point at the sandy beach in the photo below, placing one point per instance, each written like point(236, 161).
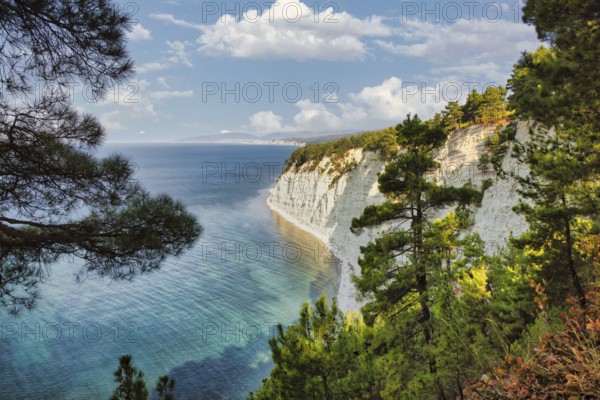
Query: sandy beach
point(346, 292)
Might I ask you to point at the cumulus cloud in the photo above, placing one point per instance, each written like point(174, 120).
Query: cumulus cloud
point(316, 117)
point(289, 29)
point(477, 40)
point(267, 122)
point(139, 33)
point(384, 104)
point(388, 101)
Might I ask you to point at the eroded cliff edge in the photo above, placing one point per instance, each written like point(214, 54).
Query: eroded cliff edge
point(324, 204)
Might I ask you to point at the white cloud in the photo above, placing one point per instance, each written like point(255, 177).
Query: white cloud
point(178, 53)
point(372, 107)
point(133, 102)
point(463, 72)
point(316, 117)
point(163, 95)
point(175, 21)
point(267, 122)
point(115, 120)
point(108, 121)
point(152, 66)
point(289, 29)
point(139, 33)
point(477, 40)
point(162, 81)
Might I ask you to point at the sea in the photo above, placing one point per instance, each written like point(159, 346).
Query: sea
point(205, 318)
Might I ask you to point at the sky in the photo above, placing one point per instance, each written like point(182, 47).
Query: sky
point(204, 68)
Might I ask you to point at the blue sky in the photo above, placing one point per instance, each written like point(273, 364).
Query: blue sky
point(262, 67)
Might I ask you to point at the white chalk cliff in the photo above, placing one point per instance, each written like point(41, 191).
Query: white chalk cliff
point(308, 199)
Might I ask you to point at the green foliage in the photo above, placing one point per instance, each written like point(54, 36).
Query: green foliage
point(486, 184)
point(56, 41)
point(497, 146)
point(441, 311)
point(164, 387)
point(57, 199)
point(487, 107)
point(323, 356)
point(563, 365)
point(130, 380)
point(565, 75)
point(453, 114)
point(558, 87)
point(383, 142)
point(404, 273)
point(472, 106)
point(493, 106)
point(132, 385)
point(559, 213)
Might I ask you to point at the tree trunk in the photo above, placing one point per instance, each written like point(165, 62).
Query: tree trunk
point(571, 263)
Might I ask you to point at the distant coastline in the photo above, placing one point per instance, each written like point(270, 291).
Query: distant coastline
point(296, 139)
point(253, 142)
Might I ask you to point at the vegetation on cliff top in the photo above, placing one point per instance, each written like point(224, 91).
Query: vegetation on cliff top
point(489, 107)
point(444, 319)
point(383, 141)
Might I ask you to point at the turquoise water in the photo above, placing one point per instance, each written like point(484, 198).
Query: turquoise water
point(204, 318)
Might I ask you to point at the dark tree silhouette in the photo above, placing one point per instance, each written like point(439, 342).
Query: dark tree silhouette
point(56, 199)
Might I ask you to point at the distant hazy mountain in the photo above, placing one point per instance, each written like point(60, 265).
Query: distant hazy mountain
point(307, 134)
point(279, 138)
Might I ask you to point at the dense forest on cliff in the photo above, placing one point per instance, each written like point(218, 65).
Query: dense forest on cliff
point(487, 107)
point(443, 318)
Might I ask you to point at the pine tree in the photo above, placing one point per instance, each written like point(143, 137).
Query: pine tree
point(56, 199)
point(471, 107)
point(453, 114)
point(556, 206)
point(132, 385)
point(323, 356)
point(557, 87)
point(411, 199)
point(396, 268)
point(493, 105)
point(130, 380)
point(164, 387)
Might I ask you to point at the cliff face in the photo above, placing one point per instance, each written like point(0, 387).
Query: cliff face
point(324, 206)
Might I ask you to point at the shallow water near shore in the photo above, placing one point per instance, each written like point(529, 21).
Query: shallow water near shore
point(205, 317)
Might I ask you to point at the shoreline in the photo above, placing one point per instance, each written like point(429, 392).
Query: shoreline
point(346, 294)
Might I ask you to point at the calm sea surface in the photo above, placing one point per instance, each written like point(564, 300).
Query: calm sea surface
point(204, 318)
